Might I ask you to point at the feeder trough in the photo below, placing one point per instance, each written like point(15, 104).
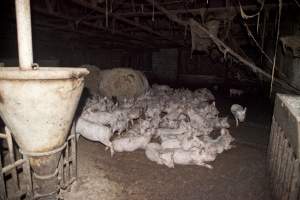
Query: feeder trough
point(38, 107)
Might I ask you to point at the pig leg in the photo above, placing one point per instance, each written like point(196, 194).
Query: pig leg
point(236, 122)
point(204, 165)
point(110, 147)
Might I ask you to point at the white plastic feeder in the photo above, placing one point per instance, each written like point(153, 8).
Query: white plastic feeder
point(38, 105)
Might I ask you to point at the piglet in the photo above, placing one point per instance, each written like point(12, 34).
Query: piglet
point(171, 144)
point(238, 112)
point(221, 123)
point(188, 143)
point(94, 132)
point(166, 157)
point(191, 157)
point(220, 144)
point(152, 152)
point(130, 143)
point(155, 153)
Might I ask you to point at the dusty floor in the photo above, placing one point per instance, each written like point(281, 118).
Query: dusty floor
point(239, 173)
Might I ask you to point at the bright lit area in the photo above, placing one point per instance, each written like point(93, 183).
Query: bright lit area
point(149, 100)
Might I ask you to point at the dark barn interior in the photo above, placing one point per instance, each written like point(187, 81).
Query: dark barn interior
point(147, 56)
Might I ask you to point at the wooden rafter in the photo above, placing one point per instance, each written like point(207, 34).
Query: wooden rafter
point(220, 10)
point(102, 38)
point(127, 21)
point(93, 26)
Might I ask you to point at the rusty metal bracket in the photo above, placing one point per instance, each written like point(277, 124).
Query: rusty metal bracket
point(11, 169)
point(68, 162)
point(66, 171)
point(67, 168)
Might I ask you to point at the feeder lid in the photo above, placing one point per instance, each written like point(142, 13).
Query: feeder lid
point(45, 73)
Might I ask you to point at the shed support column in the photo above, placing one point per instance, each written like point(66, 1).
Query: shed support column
point(24, 34)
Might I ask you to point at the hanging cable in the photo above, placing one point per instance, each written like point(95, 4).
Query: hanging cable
point(153, 11)
point(256, 43)
point(297, 3)
point(106, 13)
point(276, 44)
point(245, 16)
point(142, 8)
point(257, 23)
point(111, 5)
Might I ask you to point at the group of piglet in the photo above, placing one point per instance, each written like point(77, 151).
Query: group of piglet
point(173, 126)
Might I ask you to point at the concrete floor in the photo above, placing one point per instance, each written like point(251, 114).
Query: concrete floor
point(239, 173)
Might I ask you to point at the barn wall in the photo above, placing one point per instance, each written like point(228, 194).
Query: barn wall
point(287, 63)
point(57, 49)
point(165, 65)
point(200, 64)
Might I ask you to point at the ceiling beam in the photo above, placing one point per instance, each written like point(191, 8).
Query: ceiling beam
point(127, 21)
point(102, 39)
point(220, 10)
point(93, 26)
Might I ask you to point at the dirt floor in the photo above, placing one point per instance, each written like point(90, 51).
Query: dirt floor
point(239, 173)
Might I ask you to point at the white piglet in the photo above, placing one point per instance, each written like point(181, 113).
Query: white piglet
point(192, 157)
point(94, 132)
point(130, 143)
point(166, 157)
point(171, 144)
point(239, 113)
point(152, 152)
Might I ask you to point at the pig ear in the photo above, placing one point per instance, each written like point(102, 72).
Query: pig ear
point(245, 109)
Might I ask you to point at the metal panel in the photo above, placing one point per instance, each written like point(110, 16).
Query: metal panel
point(283, 150)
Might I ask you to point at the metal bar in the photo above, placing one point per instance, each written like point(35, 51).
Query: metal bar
point(11, 166)
point(295, 182)
point(271, 142)
point(24, 34)
point(67, 159)
point(74, 151)
point(288, 175)
point(2, 136)
point(282, 168)
point(27, 174)
point(274, 156)
point(2, 183)
point(285, 169)
point(274, 152)
point(278, 164)
point(12, 157)
point(40, 154)
point(61, 171)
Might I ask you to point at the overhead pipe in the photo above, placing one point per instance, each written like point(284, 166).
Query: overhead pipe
point(24, 34)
